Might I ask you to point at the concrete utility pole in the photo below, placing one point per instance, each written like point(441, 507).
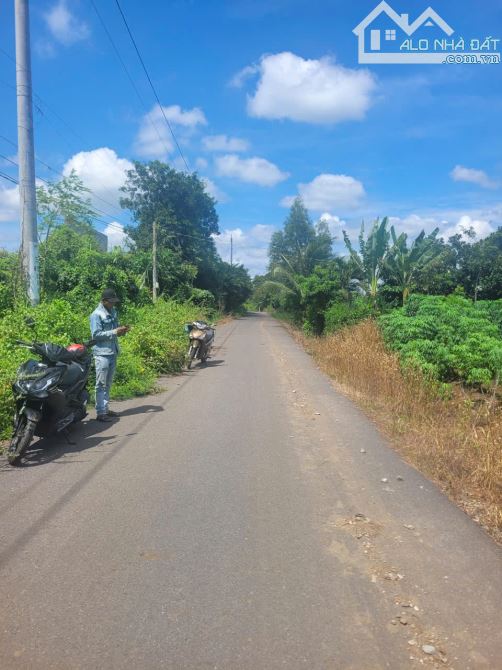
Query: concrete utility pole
point(27, 194)
point(231, 250)
point(154, 265)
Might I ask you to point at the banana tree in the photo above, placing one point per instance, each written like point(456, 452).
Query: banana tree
point(370, 261)
point(285, 286)
point(403, 262)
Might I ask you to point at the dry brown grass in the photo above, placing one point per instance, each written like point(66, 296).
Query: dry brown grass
point(457, 441)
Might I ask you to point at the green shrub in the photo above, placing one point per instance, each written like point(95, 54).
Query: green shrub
point(340, 314)
point(157, 334)
point(156, 344)
point(450, 338)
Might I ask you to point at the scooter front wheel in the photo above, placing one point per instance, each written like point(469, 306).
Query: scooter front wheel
point(191, 354)
point(21, 440)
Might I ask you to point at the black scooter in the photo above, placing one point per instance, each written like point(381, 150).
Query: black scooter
point(50, 394)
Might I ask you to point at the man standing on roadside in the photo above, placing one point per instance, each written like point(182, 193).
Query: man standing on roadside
point(105, 330)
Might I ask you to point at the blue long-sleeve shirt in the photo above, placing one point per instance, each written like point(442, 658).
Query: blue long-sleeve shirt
point(104, 326)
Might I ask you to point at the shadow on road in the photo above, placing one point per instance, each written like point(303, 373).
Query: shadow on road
point(213, 363)
point(82, 437)
point(142, 409)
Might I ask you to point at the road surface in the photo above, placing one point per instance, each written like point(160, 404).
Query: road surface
point(239, 520)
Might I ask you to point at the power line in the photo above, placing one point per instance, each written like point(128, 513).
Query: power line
point(119, 227)
point(114, 225)
point(43, 102)
point(151, 83)
point(128, 74)
point(49, 167)
point(9, 178)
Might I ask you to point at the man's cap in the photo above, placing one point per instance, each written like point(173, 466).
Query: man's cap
point(110, 295)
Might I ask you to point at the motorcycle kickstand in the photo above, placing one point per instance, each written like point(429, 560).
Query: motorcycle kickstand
point(66, 433)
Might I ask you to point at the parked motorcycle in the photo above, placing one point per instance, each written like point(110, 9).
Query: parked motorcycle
point(50, 394)
point(201, 337)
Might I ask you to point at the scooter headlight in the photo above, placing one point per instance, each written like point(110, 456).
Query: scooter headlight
point(39, 382)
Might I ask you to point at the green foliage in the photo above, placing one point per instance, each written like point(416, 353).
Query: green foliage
point(450, 338)
point(234, 286)
point(369, 262)
point(300, 246)
point(155, 344)
point(202, 298)
point(404, 262)
point(157, 336)
point(480, 265)
point(341, 314)
point(64, 202)
point(56, 322)
point(9, 273)
point(178, 203)
point(317, 291)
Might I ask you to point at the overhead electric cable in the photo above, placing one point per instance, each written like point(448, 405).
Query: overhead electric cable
point(49, 167)
point(9, 178)
point(151, 83)
point(128, 74)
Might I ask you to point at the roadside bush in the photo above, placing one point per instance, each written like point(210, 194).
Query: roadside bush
point(341, 314)
point(202, 298)
point(157, 336)
point(450, 338)
point(155, 344)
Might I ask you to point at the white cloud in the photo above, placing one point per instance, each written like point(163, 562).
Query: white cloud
point(214, 190)
point(413, 224)
point(460, 173)
point(102, 171)
point(64, 26)
point(482, 228)
point(9, 203)
point(117, 237)
point(335, 223)
point(329, 191)
point(483, 222)
point(238, 79)
point(224, 143)
point(154, 139)
point(250, 247)
point(314, 91)
point(252, 170)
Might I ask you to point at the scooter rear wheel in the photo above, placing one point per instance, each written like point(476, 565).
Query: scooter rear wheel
point(20, 440)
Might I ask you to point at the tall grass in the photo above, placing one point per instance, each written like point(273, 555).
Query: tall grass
point(451, 434)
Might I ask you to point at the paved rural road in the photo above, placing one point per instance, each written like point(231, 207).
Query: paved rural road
point(213, 526)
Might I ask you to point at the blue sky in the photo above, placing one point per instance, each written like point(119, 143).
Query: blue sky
point(267, 100)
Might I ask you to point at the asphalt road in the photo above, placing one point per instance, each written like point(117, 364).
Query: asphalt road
point(213, 526)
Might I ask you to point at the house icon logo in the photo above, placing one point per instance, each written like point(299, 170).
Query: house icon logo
point(385, 36)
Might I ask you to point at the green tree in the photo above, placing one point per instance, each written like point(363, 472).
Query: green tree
point(318, 290)
point(300, 246)
point(440, 275)
point(235, 286)
point(404, 262)
point(370, 262)
point(64, 202)
point(480, 266)
point(178, 203)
